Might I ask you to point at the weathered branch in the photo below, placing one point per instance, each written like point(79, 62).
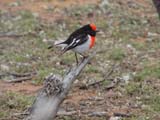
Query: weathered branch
point(94, 113)
point(22, 74)
point(14, 35)
point(106, 77)
point(54, 92)
point(21, 79)
point(112, 84)
point(122, 114)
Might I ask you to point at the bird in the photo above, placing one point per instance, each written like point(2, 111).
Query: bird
point(80, 41)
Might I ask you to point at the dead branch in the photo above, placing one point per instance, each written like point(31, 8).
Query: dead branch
point(112, 84)
point(2, 75)
point(86, 112)
point(71, 113)
point(122, 114)
point(19, 79)
point(54, 92)
point(64, 113)
point(97, 114)
point(14, 35)
point(105, 77)
point(22, 74)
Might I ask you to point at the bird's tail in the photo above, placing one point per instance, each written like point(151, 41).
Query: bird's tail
point(58, 43)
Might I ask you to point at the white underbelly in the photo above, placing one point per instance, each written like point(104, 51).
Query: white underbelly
point(82, 48)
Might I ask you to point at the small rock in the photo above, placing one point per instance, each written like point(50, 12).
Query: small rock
point(14, 4)
point(115, 118)
point(104, 5)
point(96, 98)
point(45, 40)
point(129, 46)
point(35, 14)
point(126, 78)
point(150, 34)
point(19, 17)
point(4, 67)
point(42, 33)
point(28, 55)
point(97, 113)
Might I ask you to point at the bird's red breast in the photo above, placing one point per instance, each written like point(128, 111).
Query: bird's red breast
point(92, 42)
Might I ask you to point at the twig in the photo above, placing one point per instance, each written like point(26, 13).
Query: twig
point(122, 114)
point(16, 35)
point(18, 76)
point(86, 112)
point(2, 75)
point(22, 74)
point(70, 113)
point(97, 113)
point(112, 84)
point(19, 79)
point(64, 113)
point(105, 77)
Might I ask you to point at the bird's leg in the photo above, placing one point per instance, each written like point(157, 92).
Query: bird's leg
point(76, 58)
point(83, 57)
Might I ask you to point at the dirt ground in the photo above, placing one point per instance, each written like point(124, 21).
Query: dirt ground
point(40, 6)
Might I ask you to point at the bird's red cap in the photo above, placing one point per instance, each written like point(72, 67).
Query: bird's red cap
point(93, 26)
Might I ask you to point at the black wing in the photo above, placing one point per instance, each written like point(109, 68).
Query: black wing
point(77, 33)
point(79, 40)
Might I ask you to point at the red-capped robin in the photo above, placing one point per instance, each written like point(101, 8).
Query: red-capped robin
point(80, 41)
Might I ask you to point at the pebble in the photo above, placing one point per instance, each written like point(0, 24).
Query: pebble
point(115, 118)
